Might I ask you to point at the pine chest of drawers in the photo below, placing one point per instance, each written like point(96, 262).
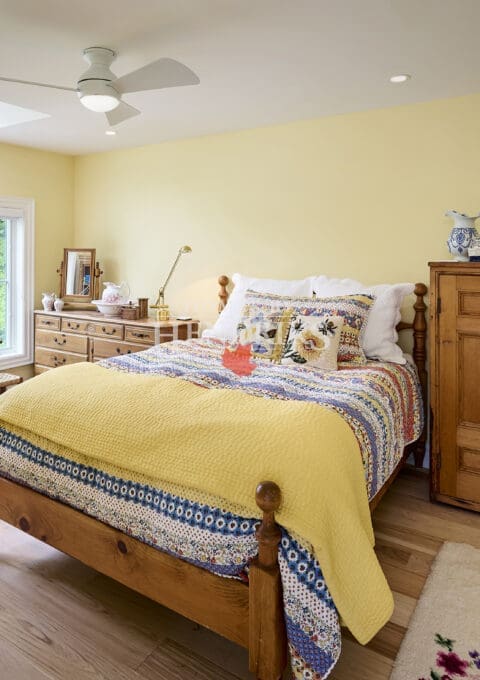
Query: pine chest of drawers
point(63, 338)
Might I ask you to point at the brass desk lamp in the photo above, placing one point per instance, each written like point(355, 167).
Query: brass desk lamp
point(163, 313)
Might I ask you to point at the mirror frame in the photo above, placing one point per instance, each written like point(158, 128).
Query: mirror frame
point(93, 279)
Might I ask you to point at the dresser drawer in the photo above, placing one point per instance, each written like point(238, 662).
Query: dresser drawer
point(103, 349)
point(140, 334)
point(62, 341)
point(53, 358)
point(74, 325)
point(105, 330)
point(44, 321)
point(183, 331)
point(41, 369)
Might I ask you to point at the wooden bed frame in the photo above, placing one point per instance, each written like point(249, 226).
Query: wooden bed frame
point(249, 614)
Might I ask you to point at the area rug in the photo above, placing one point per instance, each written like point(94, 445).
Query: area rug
point(443, 637)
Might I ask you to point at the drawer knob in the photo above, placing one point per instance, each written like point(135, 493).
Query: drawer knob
point(70, 324)
point(47, 323)
point(64, 340)
point(112, 332)
point(59, 362)
point(24, 524)
point(139, 335)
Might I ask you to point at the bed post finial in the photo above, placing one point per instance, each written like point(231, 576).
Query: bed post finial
point(223, 281)
point(420, 357)
point(267, 637)
point(268, 497)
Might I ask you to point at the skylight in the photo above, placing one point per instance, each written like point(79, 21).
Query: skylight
point(13, 115)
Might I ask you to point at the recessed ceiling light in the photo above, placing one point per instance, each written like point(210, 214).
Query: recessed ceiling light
point(401, 78)
point(110, 132)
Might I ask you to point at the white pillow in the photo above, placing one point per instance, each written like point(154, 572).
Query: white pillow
point(380, 338)
point(225, 327)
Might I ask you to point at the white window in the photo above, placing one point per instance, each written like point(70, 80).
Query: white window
point(16, 281)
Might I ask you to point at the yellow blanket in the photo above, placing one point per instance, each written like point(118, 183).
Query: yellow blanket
point(223, 443)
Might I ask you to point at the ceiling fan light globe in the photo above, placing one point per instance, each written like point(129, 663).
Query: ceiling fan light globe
point(98, 95)
point(101, 103)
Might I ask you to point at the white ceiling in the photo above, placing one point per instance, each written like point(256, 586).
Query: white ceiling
point(259, 61)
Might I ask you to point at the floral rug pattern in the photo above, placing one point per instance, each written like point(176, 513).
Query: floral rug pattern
point(450, 666)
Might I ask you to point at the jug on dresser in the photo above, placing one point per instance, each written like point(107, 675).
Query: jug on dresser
point(116, 293)
point(462, 234)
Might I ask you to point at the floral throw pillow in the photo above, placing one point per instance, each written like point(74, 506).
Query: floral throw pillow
point(313, 341)
point(353, 309)
point(265, 329)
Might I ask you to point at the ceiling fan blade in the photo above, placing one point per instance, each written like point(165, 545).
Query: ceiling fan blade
point(29, 82)
point(121, 113)
point(155, 76)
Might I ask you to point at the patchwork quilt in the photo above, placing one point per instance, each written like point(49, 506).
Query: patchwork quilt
point(381, 404)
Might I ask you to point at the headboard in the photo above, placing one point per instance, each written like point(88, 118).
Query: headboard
point(419, 330)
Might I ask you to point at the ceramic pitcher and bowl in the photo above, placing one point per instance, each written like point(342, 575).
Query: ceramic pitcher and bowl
point(113, 298)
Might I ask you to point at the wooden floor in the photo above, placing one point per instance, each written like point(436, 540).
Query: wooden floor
point(59, 619)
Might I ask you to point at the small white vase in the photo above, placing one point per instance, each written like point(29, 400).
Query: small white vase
point(58, 304)
point(48, 300)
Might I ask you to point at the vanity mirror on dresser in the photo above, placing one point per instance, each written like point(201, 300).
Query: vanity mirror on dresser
point(69, 337)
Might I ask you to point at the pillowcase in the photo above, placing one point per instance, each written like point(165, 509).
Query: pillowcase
point(225, 327)
point(265, 328)
point(313, 341)
point(380, 339)
point(353, 309)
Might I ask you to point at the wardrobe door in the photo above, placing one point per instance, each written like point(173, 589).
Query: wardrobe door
point(459, 387)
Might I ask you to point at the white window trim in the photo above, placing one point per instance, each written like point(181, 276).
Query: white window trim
point(26, 206)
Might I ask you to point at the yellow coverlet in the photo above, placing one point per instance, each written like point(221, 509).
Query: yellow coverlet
point(223, 443)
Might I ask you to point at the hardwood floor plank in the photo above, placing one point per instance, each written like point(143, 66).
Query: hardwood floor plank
point(51, 646)
point(403, 581)
point(411, 560)
point(17, 667)
point(404, 608)
point(361, 663)
point(87, 619)
point(172, 661)
point(412, 539)
point(440, 522)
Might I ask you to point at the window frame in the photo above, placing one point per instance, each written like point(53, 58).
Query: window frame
point(22, 282)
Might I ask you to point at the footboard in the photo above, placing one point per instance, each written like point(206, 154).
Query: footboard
point(251, 616)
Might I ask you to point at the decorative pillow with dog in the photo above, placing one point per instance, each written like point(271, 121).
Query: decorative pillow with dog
point(313, 341)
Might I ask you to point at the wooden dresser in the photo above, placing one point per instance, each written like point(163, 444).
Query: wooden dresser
point(68, 337)
point(455, 382)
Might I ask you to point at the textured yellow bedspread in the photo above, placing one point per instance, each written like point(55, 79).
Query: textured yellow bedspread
point(223, 443)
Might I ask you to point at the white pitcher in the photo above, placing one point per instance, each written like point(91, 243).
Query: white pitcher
point(463, 231)
point(116, 293)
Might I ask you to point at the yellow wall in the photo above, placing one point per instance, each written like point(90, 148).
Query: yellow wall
point(360, 195)
point(48, 179)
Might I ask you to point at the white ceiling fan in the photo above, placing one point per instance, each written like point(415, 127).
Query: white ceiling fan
point(100, 90)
